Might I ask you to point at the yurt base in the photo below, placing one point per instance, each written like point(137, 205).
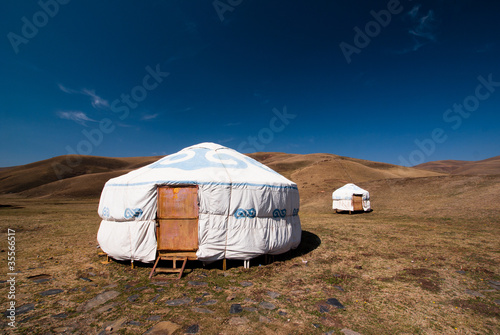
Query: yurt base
point(173, 257)
point(340, 211)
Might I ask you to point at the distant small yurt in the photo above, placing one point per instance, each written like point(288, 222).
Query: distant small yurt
point(351, 198)
point(206, 199)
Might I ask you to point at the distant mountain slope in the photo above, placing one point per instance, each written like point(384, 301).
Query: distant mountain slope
point(63, 168)
point(315, 174)
point(486, 166)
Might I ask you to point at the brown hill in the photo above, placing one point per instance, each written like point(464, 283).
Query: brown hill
point(62, 169)
point(314, 173)
point(392, 188)
point(318, 175)
point(486, 166)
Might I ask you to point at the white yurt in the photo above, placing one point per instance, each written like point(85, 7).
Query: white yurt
point(351, 198)
point(243, 208)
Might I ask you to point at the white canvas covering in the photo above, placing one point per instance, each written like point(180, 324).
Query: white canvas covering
point(342, 198)
point(245, 208)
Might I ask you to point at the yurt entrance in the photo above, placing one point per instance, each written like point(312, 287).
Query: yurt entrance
point(177, 228)
point(177, 218)
point(357, 202)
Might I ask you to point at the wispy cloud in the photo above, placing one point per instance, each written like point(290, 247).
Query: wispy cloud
point(146, 117)
point(225, 140)
point(96, 101)
point(425, 27)
point(232, 124)
point(76, 116)
point(423, 30)
point(414, 11)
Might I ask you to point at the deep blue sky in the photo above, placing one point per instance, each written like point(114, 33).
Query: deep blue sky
point(231, 66)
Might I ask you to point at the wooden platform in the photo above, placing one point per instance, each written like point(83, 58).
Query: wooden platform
point(174, 257)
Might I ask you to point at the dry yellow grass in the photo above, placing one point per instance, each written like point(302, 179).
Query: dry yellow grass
point(397, 267)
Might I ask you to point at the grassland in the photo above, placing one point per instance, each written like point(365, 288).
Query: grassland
point(396, 270)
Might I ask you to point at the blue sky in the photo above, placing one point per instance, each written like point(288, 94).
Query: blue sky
point(401, 82)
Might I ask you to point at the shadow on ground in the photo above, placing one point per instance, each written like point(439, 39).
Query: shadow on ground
point(309, 241)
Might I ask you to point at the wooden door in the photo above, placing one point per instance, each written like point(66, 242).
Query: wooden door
point(357, 202)
point(177, 218)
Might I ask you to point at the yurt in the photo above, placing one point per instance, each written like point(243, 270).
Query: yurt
point(206, 199)
point(351, 198)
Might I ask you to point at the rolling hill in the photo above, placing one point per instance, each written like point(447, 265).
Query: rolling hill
point(427, 187)
point(84, 176)
point(486, 166)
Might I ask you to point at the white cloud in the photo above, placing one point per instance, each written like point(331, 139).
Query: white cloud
point(76, 116)
point(423, 29)
point(414, 11)
point(96, 101)
point(150, 116)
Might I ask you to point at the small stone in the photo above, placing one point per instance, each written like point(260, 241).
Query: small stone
point(267, 305)
point(155, 298)
point(231, 297)
point(264, 319)
point(339, 288)
point(141, 288)
point(282, 313)
point(60, 330)
point(85, 278)
point(109, 328)
point(347, 331)
point(98, 300)
point(197, 283)
point(323, 309)
point(202, 310)
point(316, 325)
point(250, 309)
point(21, 310)
point(134, 323)
point(272, 294)
point(193, 329)
point(334, 302)
point(461, 272)
point(494, 284)
point(178, 302)
point(133, 298)
point(235, 308)
point(246, 283)
point(42, 278)
point(106, 308)
point(474, 293)
point(51, 292)
point(198, 300)
point(60, 316)
point(238, 321)
point(154, 318)
point(209, 302)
